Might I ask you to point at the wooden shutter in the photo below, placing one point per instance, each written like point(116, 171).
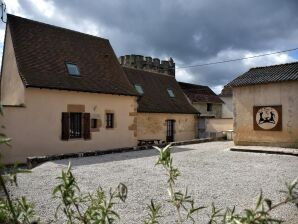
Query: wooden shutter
point(86, 123)
point(65, 126)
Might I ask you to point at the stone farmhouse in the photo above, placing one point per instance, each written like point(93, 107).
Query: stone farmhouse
point(203, 99)
point(162, 105)
point(212, 122)
point(65, 92)
point(265, 101)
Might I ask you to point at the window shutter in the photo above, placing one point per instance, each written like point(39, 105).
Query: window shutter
point(86, 123)
point(65, 126)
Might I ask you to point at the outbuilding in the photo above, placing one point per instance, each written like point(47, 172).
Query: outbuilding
point(265, 101)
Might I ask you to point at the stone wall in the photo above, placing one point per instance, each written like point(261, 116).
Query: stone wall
point(227, 107)
point(149, 64)
point(219, 125)
point(245, 98)
point(153, 126)
point(202, 108)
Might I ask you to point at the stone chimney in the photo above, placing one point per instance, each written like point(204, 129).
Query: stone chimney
point(148, 64)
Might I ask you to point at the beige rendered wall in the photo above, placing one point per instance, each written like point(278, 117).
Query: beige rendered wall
point(12, 87)
point(227, 107)
point(244, 98)
point(202, 108)
point(36, 128)
point(153, 126)
point(219, 124)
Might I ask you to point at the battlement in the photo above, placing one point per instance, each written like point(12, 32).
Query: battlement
point(148, 64)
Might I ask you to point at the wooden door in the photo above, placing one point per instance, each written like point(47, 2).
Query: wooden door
point(170, 130)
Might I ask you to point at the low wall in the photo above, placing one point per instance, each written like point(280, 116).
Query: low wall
point(219, 124)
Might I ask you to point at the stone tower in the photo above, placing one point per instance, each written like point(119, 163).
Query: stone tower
point(148, 64)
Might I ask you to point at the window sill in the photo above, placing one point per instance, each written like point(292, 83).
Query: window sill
point(74, 139)
point(94, 129)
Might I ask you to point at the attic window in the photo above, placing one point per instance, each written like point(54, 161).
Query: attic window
point(171, 93)
point(139, 89)
point(72, 69)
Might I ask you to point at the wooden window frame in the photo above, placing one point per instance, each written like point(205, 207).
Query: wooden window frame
point(209, 107)
point(93, 123)
point(110, 120)
point(75, 125)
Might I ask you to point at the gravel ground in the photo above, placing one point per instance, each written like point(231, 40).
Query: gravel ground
point(211, 172)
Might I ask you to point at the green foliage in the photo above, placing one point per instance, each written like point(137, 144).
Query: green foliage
point(153, 214)
point(178, 199)
point(87, 208)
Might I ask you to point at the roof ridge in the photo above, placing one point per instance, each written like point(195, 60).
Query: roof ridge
point(187, 83)
point(55, 26)
point(276, 65)
point(148, 71)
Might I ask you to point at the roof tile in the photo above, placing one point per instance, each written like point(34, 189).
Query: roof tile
point(199, 93)
point(268, 74)
point(156, 98)
point(41, 51)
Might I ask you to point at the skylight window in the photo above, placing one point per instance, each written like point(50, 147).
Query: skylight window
point(139, 89)
point(72, 69)
point(171, 93)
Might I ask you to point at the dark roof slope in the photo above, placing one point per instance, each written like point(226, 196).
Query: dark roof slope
point(226, 91)
point(41, 52)
point(263, 75)
point(199, 93)
point(156, 98)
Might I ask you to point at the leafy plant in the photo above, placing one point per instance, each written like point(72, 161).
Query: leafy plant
point(261, 214)
point(87, 208)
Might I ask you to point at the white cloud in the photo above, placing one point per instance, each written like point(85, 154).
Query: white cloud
point(267, 60)
point(14, 7)
point(184, 76)
point(217, 89)
point(218, 75)
point(44, 7)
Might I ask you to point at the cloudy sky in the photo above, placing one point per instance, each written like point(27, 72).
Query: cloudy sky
point(190, 31)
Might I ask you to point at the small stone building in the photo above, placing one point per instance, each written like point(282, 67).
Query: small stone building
point(203, 99)
point(265, 101)
point(208, 104)
point(163, 110)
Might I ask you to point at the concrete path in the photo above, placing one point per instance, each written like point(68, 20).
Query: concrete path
point(266, 149)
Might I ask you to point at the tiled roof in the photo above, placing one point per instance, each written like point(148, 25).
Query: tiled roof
point(41, 52)
point(262, 75)
point(199, 93)
point(156, 98)
point(226, 91)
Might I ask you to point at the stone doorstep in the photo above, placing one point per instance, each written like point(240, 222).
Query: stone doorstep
point(266, 150)
point(37, 160)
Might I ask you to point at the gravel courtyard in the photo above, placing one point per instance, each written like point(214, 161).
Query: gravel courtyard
point(211, 172)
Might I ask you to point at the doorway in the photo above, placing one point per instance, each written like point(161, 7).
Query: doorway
point(170, 130)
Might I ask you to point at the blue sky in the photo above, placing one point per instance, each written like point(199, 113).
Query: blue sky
point(195, 32)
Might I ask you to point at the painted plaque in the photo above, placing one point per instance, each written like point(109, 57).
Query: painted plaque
point(268, 118)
